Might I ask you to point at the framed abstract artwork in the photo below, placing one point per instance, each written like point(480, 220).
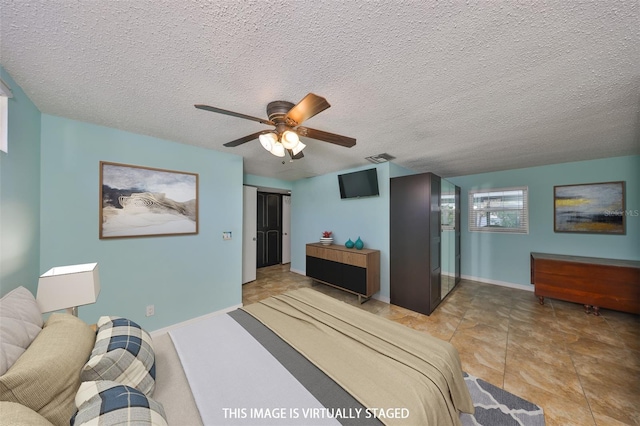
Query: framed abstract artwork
point(140, 201)
point(594, 208)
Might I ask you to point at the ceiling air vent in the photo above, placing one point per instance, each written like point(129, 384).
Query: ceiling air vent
point(380, 158)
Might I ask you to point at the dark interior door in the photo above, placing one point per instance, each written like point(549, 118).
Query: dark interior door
point(269, 231)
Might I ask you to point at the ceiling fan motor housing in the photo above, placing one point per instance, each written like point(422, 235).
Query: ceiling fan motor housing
point(276, 111)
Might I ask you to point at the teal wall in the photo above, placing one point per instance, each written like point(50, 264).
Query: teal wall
point(183, 276)
point(397, 171)
point(20, 194)
point(316, 206)
point(504, 258)
point(266, 182)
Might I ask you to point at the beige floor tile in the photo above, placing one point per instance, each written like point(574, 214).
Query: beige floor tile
point(477, 352)
point(558, 411)
point(604, 420)
point(497, 317)
point(453, 307)
point(558, 378)
point(537, 352)
point(481, 331)
point(586, 346)
point(612, 389)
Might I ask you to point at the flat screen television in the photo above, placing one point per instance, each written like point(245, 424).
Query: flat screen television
point(363, 183)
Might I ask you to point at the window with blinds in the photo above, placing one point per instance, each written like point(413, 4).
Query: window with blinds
point(5, 94)
point(499, 210)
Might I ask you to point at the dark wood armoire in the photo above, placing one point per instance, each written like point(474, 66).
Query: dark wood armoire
point(416, 234)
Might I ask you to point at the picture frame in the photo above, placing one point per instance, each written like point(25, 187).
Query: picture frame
point(591, 208)
point(138, 201)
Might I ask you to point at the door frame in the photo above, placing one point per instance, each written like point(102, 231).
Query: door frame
point(286, 229)
point(249, 231)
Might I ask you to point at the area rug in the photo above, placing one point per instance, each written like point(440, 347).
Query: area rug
point(497, 407)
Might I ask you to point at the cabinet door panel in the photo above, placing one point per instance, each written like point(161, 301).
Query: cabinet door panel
point(348, 277)
point(353, 278)
point(315, 268)
point(409, 242)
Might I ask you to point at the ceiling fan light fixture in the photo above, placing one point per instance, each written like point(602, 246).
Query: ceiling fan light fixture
point(268, 140)
point(290, 139)
point(278, 149)
point(286, 119)
point(298, 148)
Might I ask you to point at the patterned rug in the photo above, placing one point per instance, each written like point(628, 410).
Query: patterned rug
point(497, 407)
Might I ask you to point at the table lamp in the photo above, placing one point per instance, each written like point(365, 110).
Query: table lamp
point(67, 287)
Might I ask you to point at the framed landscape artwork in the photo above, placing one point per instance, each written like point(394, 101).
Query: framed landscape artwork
point(594, 208)
point(140, 201)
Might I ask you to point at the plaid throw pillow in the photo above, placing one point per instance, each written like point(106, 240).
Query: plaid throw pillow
point(110, 403)
point(123, 353)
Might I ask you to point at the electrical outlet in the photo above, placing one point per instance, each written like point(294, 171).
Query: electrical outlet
point(151, 310)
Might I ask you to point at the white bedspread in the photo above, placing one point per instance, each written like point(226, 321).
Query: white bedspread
point(235, 381)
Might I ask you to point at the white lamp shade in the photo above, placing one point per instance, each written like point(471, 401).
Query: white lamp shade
point(290, 139)
point(298, 148)
point(65, 287)
point(277, 149)
point(268, 140)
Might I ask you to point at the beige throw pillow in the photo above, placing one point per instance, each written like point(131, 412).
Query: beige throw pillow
point(14, 414)
point(20, 323)
point(47, 375)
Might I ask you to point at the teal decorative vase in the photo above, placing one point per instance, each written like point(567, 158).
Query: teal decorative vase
point(349, 244)
point(359, 244)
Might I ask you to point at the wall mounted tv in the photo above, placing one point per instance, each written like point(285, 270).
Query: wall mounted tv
point(363, 183)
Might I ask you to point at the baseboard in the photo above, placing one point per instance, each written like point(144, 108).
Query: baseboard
point(500, 283)
point(297, 271)
point(167, 329)
point(384, 299)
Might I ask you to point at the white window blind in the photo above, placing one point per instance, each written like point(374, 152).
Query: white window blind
point(5, 94)
point(499, 210)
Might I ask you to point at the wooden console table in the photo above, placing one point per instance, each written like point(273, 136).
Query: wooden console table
point(594, 282)
point(355, 271)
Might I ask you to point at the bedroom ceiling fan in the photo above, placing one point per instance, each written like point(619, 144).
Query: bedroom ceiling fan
point(286, 118)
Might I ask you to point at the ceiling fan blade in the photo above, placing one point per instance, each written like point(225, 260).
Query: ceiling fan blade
point(326, 136)
point(296, 156)
point(233, 114)
point(246, 139)
point(309, 106)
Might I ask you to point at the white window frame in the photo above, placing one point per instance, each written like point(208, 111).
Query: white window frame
point(478, 212)
point(5, 94)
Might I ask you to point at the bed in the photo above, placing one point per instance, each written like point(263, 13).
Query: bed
point(297, 358)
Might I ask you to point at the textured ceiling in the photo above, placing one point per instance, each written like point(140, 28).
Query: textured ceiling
point(450, 87)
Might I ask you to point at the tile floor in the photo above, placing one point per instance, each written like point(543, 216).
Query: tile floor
point(581, 369)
